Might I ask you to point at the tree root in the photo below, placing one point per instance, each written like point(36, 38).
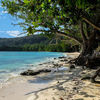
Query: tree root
point(97, 73)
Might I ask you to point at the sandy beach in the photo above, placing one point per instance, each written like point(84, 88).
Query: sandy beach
point(61, 84)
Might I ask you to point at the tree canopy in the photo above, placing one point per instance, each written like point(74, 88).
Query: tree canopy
point(75, 19)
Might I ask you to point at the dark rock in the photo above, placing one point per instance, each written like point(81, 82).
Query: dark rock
point(92, 80)
point(40, 64)
point(61, 57)
point(65, 59)
point(74, 88)
point(72, 67)
point(31, 72)
point(61, 98)
point(56, 65)
point(62, 60)
point(55, 58)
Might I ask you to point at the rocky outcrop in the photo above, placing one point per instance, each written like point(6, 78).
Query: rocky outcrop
point(32, 72)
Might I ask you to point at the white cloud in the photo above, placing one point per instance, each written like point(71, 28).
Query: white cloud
point(4, 12)
point(13, 33)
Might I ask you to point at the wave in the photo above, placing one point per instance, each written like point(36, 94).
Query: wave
point(22, 62)
point(4, 71)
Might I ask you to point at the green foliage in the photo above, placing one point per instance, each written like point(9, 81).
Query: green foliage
point(51, 16)
point(35, 43)
point(61, 47)
point(20, 41)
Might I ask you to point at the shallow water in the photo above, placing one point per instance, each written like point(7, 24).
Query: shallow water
point(12, 63)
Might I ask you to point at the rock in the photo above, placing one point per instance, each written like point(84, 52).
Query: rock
point(40, 64)
point(62, 60)
point(86, 77)
point(82, 73)
point(31, 72)
point(74, 88)
point(56, 65)
point(65, 59)
point(72, 67)
point(61, 57)
point(61, 98)
point(55, 58)
point(92, 80)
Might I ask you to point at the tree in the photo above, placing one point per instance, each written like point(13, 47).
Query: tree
point(76, 19)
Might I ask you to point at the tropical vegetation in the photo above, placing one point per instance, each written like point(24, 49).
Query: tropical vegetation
point(78, 20)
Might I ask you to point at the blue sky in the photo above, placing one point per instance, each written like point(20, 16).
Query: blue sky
point(7, 30)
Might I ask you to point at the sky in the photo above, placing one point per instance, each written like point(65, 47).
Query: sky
point(7, 30)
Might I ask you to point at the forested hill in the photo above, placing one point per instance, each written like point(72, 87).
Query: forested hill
point(20, 41)
point(36, 43)
point(23, 43)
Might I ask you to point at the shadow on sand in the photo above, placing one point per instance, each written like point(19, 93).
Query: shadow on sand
point(53, 76)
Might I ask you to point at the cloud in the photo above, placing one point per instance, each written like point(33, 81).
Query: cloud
point(4, 12)
point(13, 33)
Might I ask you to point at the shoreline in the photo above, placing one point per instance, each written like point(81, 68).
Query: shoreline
point(39, 65)
point(57, 85)
point(23, 79)
point(33, 66)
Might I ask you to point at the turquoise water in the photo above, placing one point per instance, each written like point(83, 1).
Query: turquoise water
point(11, 63)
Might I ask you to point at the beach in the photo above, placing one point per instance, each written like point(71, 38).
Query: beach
point(59, 84)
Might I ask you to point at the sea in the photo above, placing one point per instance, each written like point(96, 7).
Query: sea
point(13, 63)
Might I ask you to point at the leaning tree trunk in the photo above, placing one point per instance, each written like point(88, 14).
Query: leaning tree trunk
point(87, 51)
point(88, 47)
point(90, 42)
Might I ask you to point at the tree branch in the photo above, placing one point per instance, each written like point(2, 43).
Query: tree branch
point(87, 30)
point(93, 25)
point(70, 36)
point(62, 34)
point(82, 32)
point(21, 2)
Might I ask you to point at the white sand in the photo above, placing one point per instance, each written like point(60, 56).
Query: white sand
point(21, 88)
point(58, 86)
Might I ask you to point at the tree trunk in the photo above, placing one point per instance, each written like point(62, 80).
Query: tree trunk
point(88, 48)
